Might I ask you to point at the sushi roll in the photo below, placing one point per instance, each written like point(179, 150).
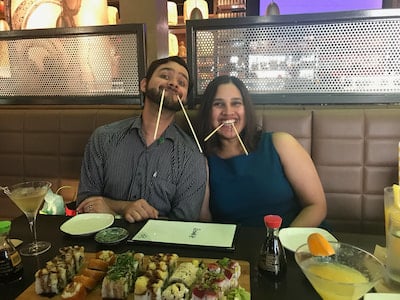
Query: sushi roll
point(115, 288)
point(200, 293)
point(88, 282)
point(42, 278)
point(121, 276)
point(147, 288)
point(50, 280)
point(106, 255)
point(97, 264)
point(77, 253)
point(185, 273)
point(69, 261)
point(232, 271)
point(97, 275)
point(74, 291)
point(61, 263)
point(175, 291)
point(170, 259)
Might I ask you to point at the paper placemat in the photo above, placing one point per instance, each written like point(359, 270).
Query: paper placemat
point(187, 233)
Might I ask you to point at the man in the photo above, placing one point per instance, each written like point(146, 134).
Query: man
point(127, 170)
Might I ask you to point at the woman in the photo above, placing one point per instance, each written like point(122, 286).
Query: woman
point(259, 172)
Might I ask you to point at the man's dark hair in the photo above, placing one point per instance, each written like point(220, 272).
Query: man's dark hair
point(155, 64)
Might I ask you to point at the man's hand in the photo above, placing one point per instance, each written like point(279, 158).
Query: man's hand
point(95, 204)
point(139, 210)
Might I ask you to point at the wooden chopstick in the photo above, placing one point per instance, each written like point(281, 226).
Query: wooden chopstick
point(159, 114)
point(190, 124)
point(212, 132)
point(240, 140)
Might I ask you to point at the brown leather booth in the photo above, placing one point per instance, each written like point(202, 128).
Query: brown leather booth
point(355, 150)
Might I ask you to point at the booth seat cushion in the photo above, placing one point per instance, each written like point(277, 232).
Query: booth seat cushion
point(43, 143)
point(355, 151)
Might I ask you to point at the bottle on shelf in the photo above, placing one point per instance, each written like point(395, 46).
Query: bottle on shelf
point(10, 261)
point(195, 10)
point(272, 260)
point(182, 49)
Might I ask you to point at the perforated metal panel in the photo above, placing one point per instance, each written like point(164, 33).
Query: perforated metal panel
point(79, 64)
point(349, 54)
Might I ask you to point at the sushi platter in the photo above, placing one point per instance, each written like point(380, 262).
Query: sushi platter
point(97, 291)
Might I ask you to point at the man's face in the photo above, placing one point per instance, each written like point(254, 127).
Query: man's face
point(174, 79)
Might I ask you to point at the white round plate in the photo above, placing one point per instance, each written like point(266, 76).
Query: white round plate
point(86, 224)
point(293, 237)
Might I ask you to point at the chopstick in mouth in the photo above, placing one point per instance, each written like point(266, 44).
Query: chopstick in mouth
point(214, 131)
point(190, 124)
point(159, 113)
point(240, 140)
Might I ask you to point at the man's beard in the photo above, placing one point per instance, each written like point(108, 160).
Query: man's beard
point(154, 95)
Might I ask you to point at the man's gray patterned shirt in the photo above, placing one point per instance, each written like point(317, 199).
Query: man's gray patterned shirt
point(170, 174)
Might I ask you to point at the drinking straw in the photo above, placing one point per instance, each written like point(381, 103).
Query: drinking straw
point(212, 132)
point(190, 124)
point(159, 114)
point(240, 140)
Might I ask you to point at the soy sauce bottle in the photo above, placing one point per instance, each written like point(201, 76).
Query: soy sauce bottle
point(272, 260)
point(10, 260)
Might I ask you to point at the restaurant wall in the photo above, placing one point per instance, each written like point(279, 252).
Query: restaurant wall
point(153, 13)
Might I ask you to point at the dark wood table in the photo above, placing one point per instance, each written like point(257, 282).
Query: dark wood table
point(248, 243)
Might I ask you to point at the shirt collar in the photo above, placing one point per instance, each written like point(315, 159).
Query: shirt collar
point(170, 132)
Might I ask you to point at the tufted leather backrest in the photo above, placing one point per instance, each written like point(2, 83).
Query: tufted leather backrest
point(354, 150)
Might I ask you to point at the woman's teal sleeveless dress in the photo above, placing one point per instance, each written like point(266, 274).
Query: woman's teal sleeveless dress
point(245, 188)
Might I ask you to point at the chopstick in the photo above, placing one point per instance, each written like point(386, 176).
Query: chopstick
point(240, 140)
point(190, 124)
point(214, 131)
point(159, 114)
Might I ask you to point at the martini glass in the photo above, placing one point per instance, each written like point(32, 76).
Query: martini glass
point(347, 275)
point(29, 197)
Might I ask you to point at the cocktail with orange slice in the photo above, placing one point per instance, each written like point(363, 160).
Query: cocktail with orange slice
point(338, 271)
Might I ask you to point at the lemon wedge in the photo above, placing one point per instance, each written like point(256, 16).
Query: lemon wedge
point(396, 195)
point(319, 245)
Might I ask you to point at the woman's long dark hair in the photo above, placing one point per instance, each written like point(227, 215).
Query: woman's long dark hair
point(250, 134)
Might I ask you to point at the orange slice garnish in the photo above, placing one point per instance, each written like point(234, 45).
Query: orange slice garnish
point(319, 245)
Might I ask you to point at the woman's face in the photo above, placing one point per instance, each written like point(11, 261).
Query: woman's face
point(228, 108)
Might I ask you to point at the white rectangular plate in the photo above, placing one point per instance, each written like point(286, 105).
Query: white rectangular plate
point(187, 233)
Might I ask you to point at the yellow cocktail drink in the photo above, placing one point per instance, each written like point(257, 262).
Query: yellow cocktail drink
point(347, 274)
point(29, 196)
point(323, 277)
point(28, 199)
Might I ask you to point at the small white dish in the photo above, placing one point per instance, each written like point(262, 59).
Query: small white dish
point(87, 224)
point(293, 237)
point(381, 296)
